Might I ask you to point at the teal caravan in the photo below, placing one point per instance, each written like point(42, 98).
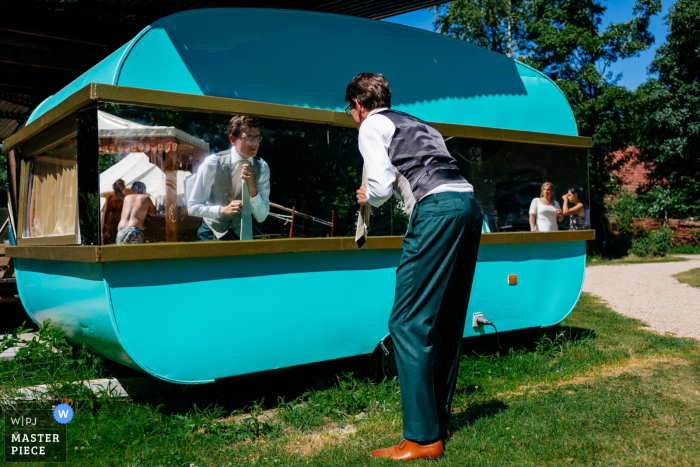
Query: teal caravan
point(193, 312)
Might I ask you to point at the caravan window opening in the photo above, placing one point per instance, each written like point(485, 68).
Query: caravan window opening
point(334, 156)
point(49, 210)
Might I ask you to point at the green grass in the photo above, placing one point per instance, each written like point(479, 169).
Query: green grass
point(685, 250)
point(692, 277)
point(631, 259)
point(38, 364)
point(598, 389)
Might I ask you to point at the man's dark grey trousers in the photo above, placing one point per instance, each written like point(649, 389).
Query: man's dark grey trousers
point(433, 283)
point(205, 234)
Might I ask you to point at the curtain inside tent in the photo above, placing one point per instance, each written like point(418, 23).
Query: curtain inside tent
point(53, 208)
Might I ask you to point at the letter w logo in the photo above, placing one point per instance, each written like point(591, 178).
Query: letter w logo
point(63, 414)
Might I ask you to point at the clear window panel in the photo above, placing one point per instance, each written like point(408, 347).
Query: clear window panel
point(309, 178)
point(144, 161)
point(313, 171)
point(508, 177)
point(311, 174)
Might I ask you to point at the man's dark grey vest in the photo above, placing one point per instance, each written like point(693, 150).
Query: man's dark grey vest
point(420, 158)
point(222, 192)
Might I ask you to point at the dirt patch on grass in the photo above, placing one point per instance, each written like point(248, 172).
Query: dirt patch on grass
point(636, 366)
point(310, 444)
point(302, 444)
point(265, 416)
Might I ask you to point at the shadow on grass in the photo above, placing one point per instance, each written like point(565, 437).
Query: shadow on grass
point(240, 393)
point(467, 417)
point(524, 340)
point(237, 394)
point(266, 390)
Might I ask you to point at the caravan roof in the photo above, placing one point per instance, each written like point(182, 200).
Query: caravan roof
point(306, 59)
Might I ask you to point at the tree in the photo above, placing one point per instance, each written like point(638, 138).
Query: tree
point(673, 106)
point(497, 25)
point(565, 40)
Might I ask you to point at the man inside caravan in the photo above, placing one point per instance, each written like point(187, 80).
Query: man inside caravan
point(134, 210)
point(232, 186)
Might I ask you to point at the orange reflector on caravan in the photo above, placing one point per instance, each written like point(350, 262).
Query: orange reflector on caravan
point(512, 279)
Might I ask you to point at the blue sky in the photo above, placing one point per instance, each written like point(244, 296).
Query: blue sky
point(634, 70)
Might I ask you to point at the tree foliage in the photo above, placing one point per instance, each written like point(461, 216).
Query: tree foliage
point(497, 25)
point(565, 40)
point(659, 202)
point(672, 137)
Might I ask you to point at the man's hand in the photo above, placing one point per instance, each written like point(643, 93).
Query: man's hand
point(233, 208)
point(362, 195)
point(249, 177)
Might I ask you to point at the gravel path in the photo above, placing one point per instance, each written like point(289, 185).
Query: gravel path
point(649, 292)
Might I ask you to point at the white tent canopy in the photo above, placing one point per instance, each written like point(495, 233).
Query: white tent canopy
point(136, 167)
point(111, 126)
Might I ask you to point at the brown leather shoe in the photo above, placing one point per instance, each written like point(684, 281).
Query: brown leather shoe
point(407, 451)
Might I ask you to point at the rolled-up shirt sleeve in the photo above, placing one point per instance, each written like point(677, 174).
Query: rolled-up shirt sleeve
point(203, 181)
point(261, 202)
point(374, 140)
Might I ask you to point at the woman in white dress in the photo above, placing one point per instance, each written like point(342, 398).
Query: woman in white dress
point(544, 211)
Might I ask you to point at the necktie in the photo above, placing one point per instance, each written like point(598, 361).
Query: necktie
point(246, 212)
point(362, 217)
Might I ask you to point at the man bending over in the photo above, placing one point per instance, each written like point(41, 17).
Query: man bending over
point(434, 276)
point(136, 206)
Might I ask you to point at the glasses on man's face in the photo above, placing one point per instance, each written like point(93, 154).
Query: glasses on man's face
point(348, 110)
point(251, 139)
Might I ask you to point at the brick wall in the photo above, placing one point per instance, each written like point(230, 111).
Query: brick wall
point(633, 172)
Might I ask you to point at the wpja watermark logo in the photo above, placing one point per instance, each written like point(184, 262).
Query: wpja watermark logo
point(37, 435)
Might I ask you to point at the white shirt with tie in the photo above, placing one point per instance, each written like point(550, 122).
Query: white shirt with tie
point(197, 204)
point(374, 139)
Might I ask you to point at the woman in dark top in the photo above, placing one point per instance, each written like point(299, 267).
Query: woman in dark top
point(573, 207)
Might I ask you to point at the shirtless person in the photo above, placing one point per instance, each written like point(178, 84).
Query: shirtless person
point(136, 206)
point(113, 212)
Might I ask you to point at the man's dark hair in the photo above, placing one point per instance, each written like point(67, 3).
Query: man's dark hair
point(242, 122)
point(138, 188)
point(371, 91)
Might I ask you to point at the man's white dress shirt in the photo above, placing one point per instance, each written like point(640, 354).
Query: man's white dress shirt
point(376, 133)
point(198, 205)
